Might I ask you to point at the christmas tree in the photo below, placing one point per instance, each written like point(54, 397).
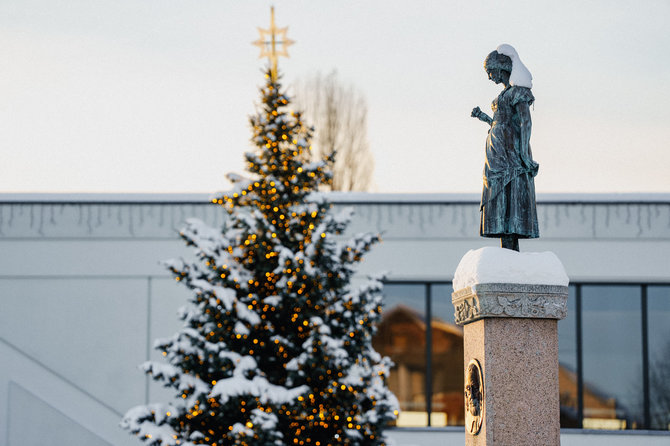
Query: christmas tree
point(276, 343)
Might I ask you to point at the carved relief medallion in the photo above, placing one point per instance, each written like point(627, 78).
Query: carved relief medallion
point(474, 397)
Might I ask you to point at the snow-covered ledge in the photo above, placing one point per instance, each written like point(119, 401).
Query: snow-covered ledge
point(497, 282)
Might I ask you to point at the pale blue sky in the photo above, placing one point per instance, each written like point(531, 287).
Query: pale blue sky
point(154, 95)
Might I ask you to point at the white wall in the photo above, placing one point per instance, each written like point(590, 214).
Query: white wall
point(82, 296)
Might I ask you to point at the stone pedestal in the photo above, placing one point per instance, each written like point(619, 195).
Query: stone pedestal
point(511, 334)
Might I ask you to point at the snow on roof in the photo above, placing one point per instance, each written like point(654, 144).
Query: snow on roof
point(103, 198)
point(335, 197)
point(410, 198)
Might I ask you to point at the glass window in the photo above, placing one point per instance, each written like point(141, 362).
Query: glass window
point(567, 358)
point(447, 403)
point(402, 337)
point(658, 301)
point(611, 349)
point(612, 358)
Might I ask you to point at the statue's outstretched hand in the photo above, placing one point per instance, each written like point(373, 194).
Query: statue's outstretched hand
point(479, 114)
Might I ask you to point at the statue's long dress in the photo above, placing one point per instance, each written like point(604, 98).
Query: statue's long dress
point(508, 199)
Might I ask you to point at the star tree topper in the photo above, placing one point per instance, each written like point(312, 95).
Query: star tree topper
point(273, 43)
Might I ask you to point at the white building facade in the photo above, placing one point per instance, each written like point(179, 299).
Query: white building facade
point(82, 297)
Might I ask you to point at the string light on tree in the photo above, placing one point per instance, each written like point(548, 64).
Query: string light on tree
point(276, 344)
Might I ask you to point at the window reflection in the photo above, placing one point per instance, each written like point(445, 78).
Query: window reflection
point(402, 337)
point(611, 350)
point(447, 361)
point(658, 301)
point(612, 359)
point(567, 358)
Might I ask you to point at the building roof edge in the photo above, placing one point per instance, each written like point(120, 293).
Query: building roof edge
point(335, 197)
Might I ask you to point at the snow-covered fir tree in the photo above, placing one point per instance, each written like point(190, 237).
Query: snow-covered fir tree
point(276, 343)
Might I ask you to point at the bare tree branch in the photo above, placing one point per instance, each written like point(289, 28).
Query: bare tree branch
point(339, 116)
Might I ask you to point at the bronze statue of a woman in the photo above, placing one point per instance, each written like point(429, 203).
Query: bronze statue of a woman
point(508, 208)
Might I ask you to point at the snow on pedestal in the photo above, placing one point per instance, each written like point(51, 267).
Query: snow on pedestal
point(499, 265)
point(497, 282)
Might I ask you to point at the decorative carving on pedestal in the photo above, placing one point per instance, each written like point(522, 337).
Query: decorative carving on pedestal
point(509, 300)
point(474, 397)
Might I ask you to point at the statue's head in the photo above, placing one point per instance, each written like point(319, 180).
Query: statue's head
point(497, 61)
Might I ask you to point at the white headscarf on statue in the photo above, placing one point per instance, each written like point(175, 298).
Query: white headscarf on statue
point(520, 75)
